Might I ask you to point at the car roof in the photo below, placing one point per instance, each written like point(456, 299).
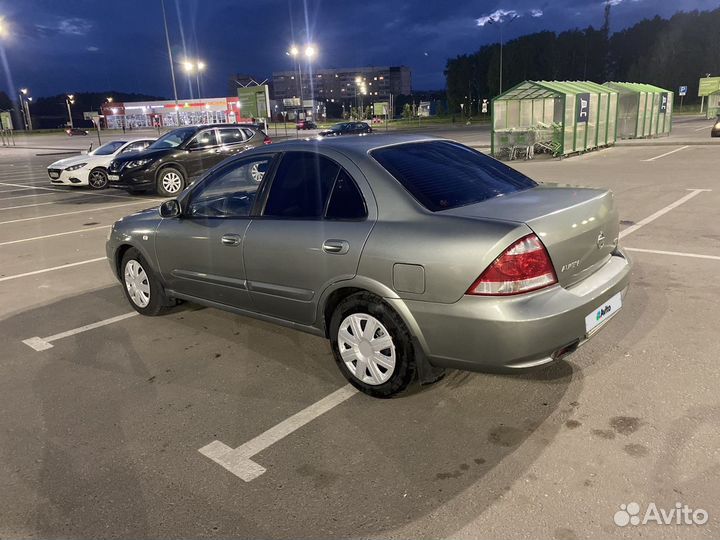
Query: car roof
point(357, 145)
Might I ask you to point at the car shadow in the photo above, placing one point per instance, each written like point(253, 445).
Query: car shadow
point(117, 415)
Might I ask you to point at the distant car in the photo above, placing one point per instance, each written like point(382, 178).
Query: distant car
point(408, 253)
point(305, 124)
point(168, 164)
point(91, 169)
point(715, 131)
point(76, 131)
point(346, 128)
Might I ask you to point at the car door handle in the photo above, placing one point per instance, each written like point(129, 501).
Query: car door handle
point(230, 239)
point(337, 247)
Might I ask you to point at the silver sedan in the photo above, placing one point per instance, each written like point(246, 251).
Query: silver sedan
point(410, 254)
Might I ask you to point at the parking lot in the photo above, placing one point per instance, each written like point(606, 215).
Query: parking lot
point(116, 425)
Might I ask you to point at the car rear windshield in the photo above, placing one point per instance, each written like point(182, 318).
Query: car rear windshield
point(442, 175)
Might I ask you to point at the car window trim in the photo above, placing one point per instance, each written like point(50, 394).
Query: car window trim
point(187, 199)
point(263, 200)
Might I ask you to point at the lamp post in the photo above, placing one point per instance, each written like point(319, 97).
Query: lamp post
point(25, 107)
point(70, 100)
point(309, 52)
point(170, 60)
point(500, 22)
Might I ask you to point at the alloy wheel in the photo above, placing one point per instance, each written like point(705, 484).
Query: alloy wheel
point(97, 179)
point(256, 173)
point(171, 182)
point(366, 348)
point(137, 283)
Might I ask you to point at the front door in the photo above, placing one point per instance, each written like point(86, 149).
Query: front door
point(203, 152)
point(200, 254)
point(310, 235)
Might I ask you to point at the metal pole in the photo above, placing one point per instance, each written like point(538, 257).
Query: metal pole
point(501, 66)
point(22, 109)
point(302, 101)
point(28, 118)
point(197, 77)
point(170, 59)
point(67, 102)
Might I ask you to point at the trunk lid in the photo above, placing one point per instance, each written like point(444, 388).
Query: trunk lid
point(578, 226)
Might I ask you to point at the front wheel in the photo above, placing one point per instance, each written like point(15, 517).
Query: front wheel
point(142, 288)
point(170, 182)
point(98, 178)
point(372, 346)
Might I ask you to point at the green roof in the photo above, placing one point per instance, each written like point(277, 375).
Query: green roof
point(636, 87)
point(546, 89)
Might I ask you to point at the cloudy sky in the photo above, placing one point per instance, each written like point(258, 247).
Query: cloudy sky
point(55, 46)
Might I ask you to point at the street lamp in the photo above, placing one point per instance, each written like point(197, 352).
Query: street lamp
point(70, 100)
point(25, 107)
point(500, 22)
point(4, 31)
point(196, 67)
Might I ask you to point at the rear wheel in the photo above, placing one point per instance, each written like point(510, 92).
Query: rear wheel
point(372, 346)
point(170, 182)
point(142, 288)
point(98, 178)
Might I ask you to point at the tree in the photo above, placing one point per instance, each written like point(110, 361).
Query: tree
point(407, 111)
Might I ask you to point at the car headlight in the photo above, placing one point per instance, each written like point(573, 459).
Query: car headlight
point(137, 163)
point(75, 167)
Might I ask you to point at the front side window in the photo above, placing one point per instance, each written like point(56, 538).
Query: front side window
point(231, 191)
point(204, 139)
point(301, 186)
point(442, 175)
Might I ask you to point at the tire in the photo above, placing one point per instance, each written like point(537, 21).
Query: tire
point(142, 288)
point(170, 182)
point(98, 178)
point(397, 368)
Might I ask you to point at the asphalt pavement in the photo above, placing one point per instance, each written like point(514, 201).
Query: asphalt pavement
point(101, 432)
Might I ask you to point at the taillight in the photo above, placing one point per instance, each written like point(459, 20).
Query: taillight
point(267, 140)
point(524, 266)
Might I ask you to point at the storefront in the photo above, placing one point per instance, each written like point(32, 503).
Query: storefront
point(149, 114)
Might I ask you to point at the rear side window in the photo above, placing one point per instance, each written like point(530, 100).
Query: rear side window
point(443, 175)
point(301, 186)
point(346, 201)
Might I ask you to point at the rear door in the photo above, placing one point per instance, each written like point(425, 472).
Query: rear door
point(317, 217)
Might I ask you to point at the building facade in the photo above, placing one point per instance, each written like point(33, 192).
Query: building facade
point(345, 84)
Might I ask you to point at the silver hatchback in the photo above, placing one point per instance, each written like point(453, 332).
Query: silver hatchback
point(410, 254)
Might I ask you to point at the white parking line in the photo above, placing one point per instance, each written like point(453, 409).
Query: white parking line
point(15, 189)
point(26, 205)
point(71, 191)
point(88, 211)
point(674, 253)
point(702, 128)
point(61, 267)
point(54, 235)
point(23, 196)
point(43, 344)
point(661, 212)
point(667, 153)
point(238, 461)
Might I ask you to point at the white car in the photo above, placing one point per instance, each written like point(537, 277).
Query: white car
point(91, 169)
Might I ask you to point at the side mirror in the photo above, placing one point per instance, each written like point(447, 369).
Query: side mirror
point(170, 209)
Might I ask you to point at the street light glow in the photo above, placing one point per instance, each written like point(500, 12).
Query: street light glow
point(188, 66)
point(3, 28)
point(109, 99)
point(294, 51)
point(310, 51)
point(201, 66)
point(24, 91)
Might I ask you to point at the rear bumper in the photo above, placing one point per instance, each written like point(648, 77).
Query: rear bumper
point(504, 334)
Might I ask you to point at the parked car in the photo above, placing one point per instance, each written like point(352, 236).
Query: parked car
point(305, 124)
point(715, 131)
point(91, 169)
point(76, 131)
point(466, 264)
point(346, 128)
point(168, 164)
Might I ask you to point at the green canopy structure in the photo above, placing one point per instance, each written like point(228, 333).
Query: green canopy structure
point(560, 118)
point(644, 110)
